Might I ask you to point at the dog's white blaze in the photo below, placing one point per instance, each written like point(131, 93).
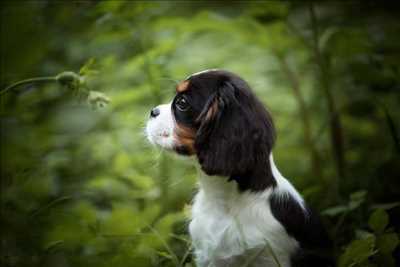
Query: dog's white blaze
point(200, 72)
point(226, 223)
point(159, 130)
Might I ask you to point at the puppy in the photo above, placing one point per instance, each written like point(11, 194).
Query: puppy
point(245, 212)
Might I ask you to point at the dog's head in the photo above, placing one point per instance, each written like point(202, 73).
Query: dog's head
point(216, 117)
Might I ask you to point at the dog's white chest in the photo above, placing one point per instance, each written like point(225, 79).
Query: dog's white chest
point(228, 227)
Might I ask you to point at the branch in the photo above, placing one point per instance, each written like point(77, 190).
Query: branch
point(26, 81)
point(310, 145)
point(336, 134)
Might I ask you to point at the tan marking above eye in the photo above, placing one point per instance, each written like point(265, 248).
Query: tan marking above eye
point(183, 86)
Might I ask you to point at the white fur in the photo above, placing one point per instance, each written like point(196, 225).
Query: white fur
point(159, 130)
point(200, 72)
point(226, 223)
point(284, 186)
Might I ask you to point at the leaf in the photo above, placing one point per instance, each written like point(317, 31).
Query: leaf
point(87, 68)
point(165, 255)
point(52, 245)
point(354, 204)
point(386, 206)
point(358, 252)
point(326, 36)
point(164, 225)
point(336, 210)
point(378, 220)
point(362, 234)
point(356, 199)
point(358, 195)
point(392, 127)
point(386, 243)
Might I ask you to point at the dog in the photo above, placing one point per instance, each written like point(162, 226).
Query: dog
point(245, 212)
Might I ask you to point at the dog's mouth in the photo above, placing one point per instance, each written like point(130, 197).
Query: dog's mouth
point(158, 138)
point(164, 134)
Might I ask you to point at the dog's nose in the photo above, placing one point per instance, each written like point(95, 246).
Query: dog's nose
point(154, 112)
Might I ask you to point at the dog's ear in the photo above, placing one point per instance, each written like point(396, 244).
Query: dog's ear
point(235, 134)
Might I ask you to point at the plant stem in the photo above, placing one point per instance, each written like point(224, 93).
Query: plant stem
point(336, 132)
point(31, 80)
point(304, 114)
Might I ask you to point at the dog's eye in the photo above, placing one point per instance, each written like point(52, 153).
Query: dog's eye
point(182, 104)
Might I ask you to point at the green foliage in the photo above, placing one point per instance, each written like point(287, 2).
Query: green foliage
point(358, 252)
point(80, 185)
point(378, 221)
point(356, 199)
point(372, 249)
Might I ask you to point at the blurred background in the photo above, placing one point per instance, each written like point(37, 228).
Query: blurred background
point(80, 185)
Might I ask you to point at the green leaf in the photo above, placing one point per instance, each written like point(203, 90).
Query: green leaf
point(392, 127)
point(358, 195)
point(87, 68)
point(52, 245)
point(326, 36)
point(386, 206)
point(378, 220)
point(336, 210)
point(356, 199)
point(358, 252)
point(386, 243)
point(362, 234)
point(165, 255)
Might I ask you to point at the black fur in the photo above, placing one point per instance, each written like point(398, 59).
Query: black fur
point(305, 226)
point(182, 150)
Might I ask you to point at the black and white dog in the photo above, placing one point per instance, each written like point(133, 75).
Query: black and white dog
point(245, 210)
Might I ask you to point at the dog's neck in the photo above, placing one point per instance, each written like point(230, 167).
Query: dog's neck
point(257, 179)
point(217, 187)
point(226, 189)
